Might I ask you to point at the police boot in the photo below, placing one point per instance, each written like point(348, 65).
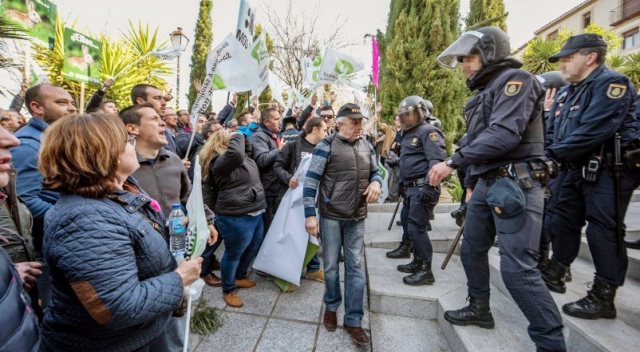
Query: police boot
point(459, 214)
point(403, 251)
point(543, 259)
point(422, 276)
point(553, 276)
point(568, 277)
point(597, 304)
point(476, 313)
point(409, 268)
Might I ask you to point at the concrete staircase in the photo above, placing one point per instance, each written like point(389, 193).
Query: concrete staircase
point(405, 318)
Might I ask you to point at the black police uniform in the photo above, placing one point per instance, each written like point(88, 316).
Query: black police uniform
point(422, 147)
point(584, 120)
point(505, 142)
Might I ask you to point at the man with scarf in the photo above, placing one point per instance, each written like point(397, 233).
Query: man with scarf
point(505, 151)
point(266, 146)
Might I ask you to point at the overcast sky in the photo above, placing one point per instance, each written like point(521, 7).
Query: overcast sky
point(361, 16)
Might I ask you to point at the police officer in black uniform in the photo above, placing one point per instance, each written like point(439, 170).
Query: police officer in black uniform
point(552, 81)
point(422, 147)
point(504, 150)
point(589, 118)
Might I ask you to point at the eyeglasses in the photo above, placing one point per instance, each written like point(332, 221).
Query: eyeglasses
point(328, 117)
point(132, 139)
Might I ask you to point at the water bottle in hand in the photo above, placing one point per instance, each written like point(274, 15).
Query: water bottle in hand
point(177, 233)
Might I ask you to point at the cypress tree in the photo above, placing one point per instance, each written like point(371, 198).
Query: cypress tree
point(487, 13)
point(201, 47)
point(422, 30)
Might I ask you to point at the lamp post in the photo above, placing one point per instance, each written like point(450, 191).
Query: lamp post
point(179, 41)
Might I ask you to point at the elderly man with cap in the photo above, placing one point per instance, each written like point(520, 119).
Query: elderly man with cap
point(343, 173)
point(594, 134)
point(505, 151)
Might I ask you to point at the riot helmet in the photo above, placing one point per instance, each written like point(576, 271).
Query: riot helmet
point(552, 79)
point(490, 43)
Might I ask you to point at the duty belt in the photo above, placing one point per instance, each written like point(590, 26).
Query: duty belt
point(416, 183)
point(523, 172)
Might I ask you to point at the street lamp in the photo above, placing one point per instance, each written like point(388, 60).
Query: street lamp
point(180, 42)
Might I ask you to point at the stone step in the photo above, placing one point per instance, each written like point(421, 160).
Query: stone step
point(389, 295)
point(509, 335)
point(620, 335)
point(633, 271)
point(389, 207)
point(395, 333)
point(377, 234)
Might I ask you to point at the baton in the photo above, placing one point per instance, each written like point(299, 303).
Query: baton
point(453, 247)
point(394, 214)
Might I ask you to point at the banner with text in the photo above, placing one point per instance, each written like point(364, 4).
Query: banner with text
point(36, 17)
point(82, 61)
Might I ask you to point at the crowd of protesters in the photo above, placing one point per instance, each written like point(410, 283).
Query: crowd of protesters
point(87, 197)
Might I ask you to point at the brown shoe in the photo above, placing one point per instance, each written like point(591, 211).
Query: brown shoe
point(330, 320)
point(315, 276)
point(245, 283)
point(212, 280)
point(358, 336)
point(232, 300)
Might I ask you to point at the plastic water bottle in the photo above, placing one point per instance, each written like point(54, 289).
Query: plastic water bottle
point(177, 233)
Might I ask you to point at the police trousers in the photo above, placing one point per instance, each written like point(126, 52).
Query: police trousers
point(415, 218)
point(518, 260)
point(573, 203)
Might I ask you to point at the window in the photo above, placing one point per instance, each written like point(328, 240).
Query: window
point(631, 38)
point(586, 20)
point(552, 35)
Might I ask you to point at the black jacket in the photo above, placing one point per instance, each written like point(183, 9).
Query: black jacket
point(236, 179)
point(288, 160)
point(265, 152)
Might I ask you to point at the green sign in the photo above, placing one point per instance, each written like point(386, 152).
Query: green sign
point(81, 57)
point(36, 17)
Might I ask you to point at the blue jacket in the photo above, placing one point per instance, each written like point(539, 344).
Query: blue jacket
point(29, 180)
point(587, 115)
point(19, 325)
point(113, 278)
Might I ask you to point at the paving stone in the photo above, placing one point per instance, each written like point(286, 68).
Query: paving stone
point(337, 341)
point(389, 332)
point(239, 332)
point(281, 335)
point(259, 299)
point(303, 304)
point(213, 297)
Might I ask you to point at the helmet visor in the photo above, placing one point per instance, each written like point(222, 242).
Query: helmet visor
point(463, 46)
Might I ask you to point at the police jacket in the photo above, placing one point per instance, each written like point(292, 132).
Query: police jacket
point(265, 152)
point(236, 180)
point(422, 147)
point(588, 114)
point(504, 122)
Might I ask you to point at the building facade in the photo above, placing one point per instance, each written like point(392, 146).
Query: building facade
point(620, 16)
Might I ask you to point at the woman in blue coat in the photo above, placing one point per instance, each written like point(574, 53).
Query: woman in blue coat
point(115, 283)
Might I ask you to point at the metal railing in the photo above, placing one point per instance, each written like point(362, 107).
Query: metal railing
point(628, 9)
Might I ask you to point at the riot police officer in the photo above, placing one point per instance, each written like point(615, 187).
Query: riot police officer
point(592, 125)
point(504, 150)
point(552, 81)
point(422, 146)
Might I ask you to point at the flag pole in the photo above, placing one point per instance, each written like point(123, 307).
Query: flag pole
point(82, 97)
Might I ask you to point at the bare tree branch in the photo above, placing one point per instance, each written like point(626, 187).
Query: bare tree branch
point(295, 36)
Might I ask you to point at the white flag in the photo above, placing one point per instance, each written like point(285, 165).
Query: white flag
point(277, 88)
point(311, 71)
point(337, 66)
point(246, 23)
point(167, 54)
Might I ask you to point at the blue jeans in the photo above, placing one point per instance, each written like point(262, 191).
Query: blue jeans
point(334, 234)
point(314, 264)
point(242, 236)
